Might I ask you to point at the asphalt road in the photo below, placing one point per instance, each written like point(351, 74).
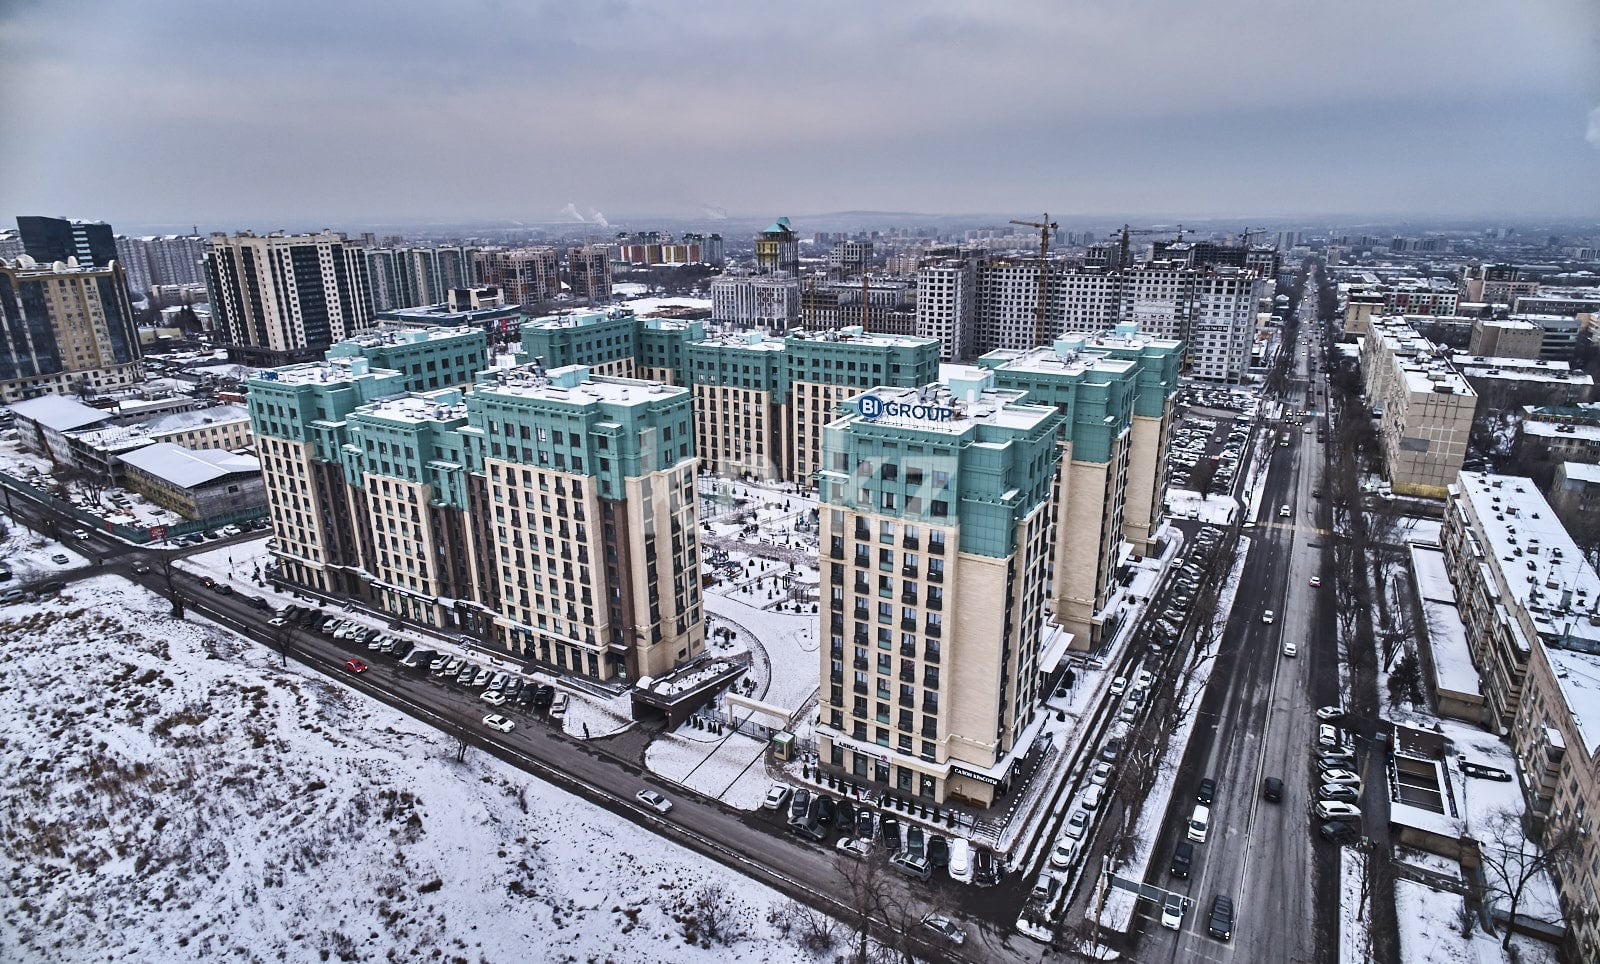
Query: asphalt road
point(1257, 721)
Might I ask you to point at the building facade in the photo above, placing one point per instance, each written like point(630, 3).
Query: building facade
point(935, 520)
point(282, 298)
point(1424, 407)
point(65, 328)
point(525, 275)
point(589, 272)
point(763, 301)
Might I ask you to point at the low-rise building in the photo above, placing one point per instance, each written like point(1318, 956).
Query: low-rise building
point(1507, 384)
point(1506, 338)
point(197, 483)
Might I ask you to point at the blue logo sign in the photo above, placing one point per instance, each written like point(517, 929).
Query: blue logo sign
point(872, 407)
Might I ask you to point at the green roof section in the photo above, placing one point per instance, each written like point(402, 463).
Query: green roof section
point(1095, 393)
point(977, 456)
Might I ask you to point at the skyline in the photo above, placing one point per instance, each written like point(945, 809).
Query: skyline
point(549, 114)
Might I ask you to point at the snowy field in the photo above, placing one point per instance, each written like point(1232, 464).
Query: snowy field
point(173, 794)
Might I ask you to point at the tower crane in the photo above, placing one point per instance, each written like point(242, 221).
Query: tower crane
point(1126, 231)
point(1247, 234)
point(1045, 227)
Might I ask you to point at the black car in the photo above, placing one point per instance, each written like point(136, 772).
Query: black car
point(799, 804)
point(525, 698)
point(865, 825)
point(826, 809)
point(1182, 859)
point(1337, 832)
point(1272, 789)
point(543, 695)
point(1207, 791)
point(985, 871)
point(846, 817)
point(890, 827)
point(1221, 923)
point(222, 589)
point(260, 603)
point(938, 851)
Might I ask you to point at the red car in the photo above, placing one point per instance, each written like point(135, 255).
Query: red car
point(207, 581)
point(355, 666)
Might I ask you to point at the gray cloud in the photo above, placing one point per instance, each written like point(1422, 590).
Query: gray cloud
point(196, 111)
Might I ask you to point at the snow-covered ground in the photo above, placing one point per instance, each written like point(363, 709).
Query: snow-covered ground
point(172, 794)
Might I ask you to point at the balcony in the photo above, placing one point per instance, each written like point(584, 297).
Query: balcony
point(862, 613)
point(936, 575)
point(863, 560)
point(909, 625)
point(930, 704)
point(836, 550)
point(930, 733)
point(859, 662)
point(860, 687)
point(909, 598)
point(862, 587)
point(937, 548)
point(908, 676)
point(836, 677)
point(934, 630)
point(908, 649)
point(909, 542)
point(936, 602)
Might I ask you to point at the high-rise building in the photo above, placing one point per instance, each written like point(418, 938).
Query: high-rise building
point(756, 300)
point(135, 261)
point(589, 271)
point(48, 240)
point(550, 515)
point(883, 306)
point(283, 298)
point(1423, 405)
point(158, 260)
point(947, 293)
point(849, 259)
point(526, 275)
point(412, 277)
point(778, 250)
point(65, 328)
point(935, 514)
point(710, 246)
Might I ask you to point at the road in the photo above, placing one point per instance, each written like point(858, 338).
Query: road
point(1256, 721)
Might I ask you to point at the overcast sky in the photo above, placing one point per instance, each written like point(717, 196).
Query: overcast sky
point(257, 114)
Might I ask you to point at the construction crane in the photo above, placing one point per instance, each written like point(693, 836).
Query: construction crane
point(1247, 234)
point(1045, 226)
point(1126, 231)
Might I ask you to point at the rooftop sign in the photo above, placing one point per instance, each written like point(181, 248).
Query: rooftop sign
point(872, 408)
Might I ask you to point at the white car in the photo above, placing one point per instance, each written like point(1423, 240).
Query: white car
point(1283, 512)
point(776, 798)
point(1267, 616)
point(853, 847)
point(1063, 853)
point(1337, 810)
point(945, 927)
point(1316, 582)
point(230, 530)
point(1327, 735)
point(1290, 649)
point(495, 721)
point(1329, 712)
point(493, 698)
point(653, 800)
point(1101, 774)
point(1345, 777)
point(1119, 685)
point(1077, 824)
point(1172, 911)
point(960, 860)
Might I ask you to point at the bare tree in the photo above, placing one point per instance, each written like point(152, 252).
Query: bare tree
point(814, 930)
point(1512, 861)
point(169, 578)
point(462, 746)
point(865, 895)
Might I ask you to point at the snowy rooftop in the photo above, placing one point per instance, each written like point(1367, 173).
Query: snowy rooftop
point(380, 337)
point(578, 319)
point(1526, 369)
point(1582, 472)
point(1066, 359)
point(331, 370)
point(1578, 675)
point(855, 335)
point(1435, 376)
point(189, 467)
point(1540, 563)
point(115, 435)
point(1560, 430)
point(1447, 637)
point(744, 341)
point(1000, 407)
point(573, 384)
point(58, 412)
point(418, 408)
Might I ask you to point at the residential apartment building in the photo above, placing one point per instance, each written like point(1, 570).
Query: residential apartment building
point(1548, 435)
point(878, 305)
point(549, 514)
point(606, 342)
point(1507, 384)
point(935, 506)
point(1210, 309)
point(66, 328)
point(778, 250)
point(1528, 600)
point(416, 276)
point(766, 301)
point(525, 275)
point(947, 292)
point(1424, 406)
point(48, 240)
point(827, 370)
point(426, 358)
point(1094, 393)
point(1160, 360)
point(711, 248)
point(1505, 338)
point(589, 272)
point(741, 396)
point(156, 261)
point(283, 298)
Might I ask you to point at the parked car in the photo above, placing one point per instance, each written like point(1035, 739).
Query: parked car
point(1207, 791)
point(493, 698)
point(1327, 735)
point(911, 865)
point(558, 705)
point(1337, 791)
point(826, 809)
point(1338, 832)
point(915, 838)
point(938, 851)
point(1329, 713)
point(854, 847)
point(230, 530)
point(653, 800)
point(1077, 824)
point(799, 804)
point(1101, 774)
point(1065, 852)
point(1337, 810)
point(1119, 685)
point(960, 866)
point(866, 825)
point(890, 828)
point(985, 869)
point(776, 797)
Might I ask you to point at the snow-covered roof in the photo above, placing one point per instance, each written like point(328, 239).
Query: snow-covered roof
point(59, 412)
point(1578, 677)
point(1581, 472)
point(189, 467)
